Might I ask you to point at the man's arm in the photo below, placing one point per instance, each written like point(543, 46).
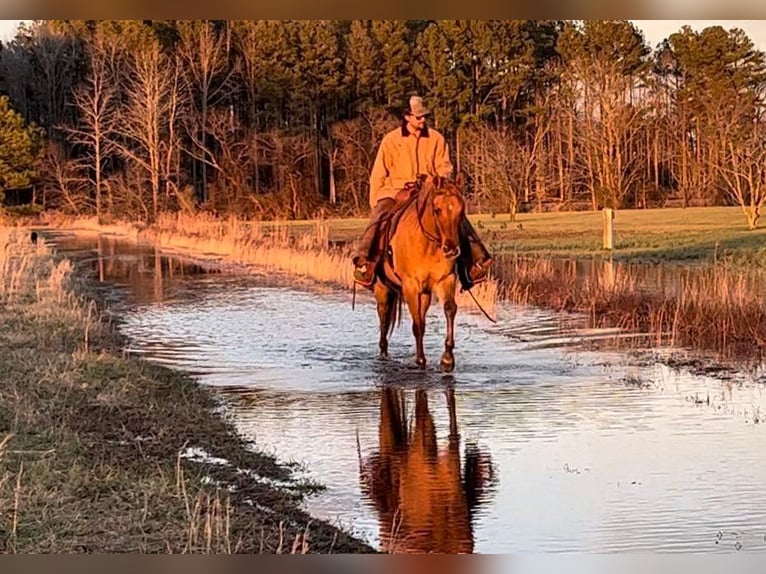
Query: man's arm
point(442, 162)
point(378, 174)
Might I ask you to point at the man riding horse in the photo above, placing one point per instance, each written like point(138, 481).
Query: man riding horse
point(409, 151)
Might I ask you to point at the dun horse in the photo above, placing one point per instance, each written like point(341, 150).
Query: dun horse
point(423, 248)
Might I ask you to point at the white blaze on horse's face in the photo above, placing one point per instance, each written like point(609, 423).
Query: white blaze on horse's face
point(448, 209)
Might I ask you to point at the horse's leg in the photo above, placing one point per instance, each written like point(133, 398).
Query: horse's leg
point(450, 393)
point(418, 304)
point(384, 300)
point(450, 310)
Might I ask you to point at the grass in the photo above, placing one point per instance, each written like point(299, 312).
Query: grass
point(694, 234)
point(92, 442)
point(303, 249)
point(672, 234)
point(718, 308)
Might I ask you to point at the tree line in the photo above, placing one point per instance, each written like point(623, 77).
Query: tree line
point(265, 119)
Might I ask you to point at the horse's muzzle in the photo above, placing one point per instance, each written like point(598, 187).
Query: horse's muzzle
point(450, 251)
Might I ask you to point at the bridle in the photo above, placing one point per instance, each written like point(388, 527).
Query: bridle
point(421, 206)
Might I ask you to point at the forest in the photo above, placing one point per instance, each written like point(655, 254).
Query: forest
point(265, 119)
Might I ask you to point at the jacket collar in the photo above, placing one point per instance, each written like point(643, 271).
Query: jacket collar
point(406, 132)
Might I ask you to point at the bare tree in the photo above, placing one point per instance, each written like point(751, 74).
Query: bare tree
point(232, 158)
point(204, 51)
point(96, 101)
point(150, 91)
point(609, 123)
point(355, 143)
point(171, 145)
point(744, 173)
point(500, 166)
point(64, 183)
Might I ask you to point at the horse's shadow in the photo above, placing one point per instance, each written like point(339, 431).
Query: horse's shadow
point(425, 495)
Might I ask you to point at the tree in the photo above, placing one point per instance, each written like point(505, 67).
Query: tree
point(205, 52)
point(364, 62)
point(393, 39)
point(151, 101)
point(719, 84)
point(320, 89)
point(20, 148)
point(743, 168)
point(97, 100)
point(42, 65)
point(604, 63)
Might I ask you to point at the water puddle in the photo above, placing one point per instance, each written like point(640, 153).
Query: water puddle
point(530, 446)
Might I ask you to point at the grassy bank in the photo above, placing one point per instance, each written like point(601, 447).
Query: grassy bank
point(701, 234)
point(100, 452)
point(715, 311)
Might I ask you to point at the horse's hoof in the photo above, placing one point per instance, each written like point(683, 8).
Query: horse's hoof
point(421, 362)
point(383, 355)
point(448, 363)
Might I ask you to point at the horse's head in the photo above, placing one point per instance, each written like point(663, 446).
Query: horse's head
point(447, 206)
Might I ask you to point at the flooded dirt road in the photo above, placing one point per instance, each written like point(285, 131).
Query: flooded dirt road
point(530, 446)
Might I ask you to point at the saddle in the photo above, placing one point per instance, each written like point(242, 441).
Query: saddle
point(384, 267)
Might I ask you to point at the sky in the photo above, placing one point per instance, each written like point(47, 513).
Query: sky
point(8, 29)
point(657, 30)
point(654, 30)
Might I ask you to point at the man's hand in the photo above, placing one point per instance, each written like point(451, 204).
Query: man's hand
point(404, 194)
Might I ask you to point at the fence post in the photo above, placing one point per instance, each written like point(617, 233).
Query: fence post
point(608, 228)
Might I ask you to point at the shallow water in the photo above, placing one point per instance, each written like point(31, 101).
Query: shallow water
point(552, 448)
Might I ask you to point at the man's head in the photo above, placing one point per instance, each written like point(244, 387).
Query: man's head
point(415, 113)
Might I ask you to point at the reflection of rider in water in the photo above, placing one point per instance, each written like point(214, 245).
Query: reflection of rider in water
point(424, 502)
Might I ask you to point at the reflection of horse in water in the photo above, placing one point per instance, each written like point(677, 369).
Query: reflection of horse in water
point(425, 501)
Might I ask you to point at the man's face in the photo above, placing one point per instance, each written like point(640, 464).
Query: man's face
point(415, 123)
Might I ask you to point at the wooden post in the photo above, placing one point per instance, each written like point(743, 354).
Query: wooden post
point(608, 228)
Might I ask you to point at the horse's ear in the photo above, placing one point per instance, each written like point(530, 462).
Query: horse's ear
point(459, 179)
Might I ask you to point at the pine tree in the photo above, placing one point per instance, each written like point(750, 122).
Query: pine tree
point(20, 148)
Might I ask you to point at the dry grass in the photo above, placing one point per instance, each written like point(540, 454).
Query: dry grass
point(90, 439)
point(278, 247)
point(711, 308)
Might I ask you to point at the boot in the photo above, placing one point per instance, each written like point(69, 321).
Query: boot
point(365, 259)
point(478, 272)
point(364, 273)
point(475, 260)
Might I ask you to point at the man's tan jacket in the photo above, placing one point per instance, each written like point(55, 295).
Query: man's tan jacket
point(402, 156)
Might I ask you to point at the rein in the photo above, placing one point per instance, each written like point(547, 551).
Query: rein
point(421, 210)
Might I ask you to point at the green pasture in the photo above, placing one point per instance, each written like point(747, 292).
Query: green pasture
point(694, 234)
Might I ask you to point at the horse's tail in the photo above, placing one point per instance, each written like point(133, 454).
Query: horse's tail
point(394, 311)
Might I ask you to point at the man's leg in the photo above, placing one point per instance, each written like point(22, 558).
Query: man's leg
point(366, 255)
point(474, 256)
